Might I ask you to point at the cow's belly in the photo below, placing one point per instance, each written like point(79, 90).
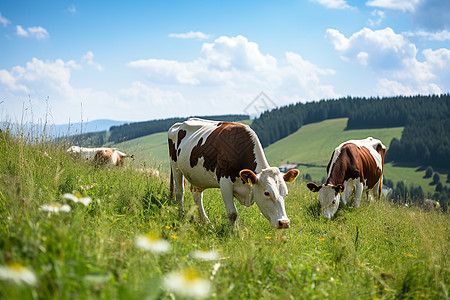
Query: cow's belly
point(197, 175)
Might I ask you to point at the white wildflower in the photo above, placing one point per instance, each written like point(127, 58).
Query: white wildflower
point(77, 197)
point(151, 242)
point(55, 208)
point(18, 274)
point(205, 255)
point(187, 284)
point(214, 271)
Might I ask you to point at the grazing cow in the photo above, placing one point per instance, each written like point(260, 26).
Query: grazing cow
point(431, 205)
point(101, 156)
point(355, 166)
point(228, 156)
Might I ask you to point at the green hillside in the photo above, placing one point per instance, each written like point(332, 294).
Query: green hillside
point(313, 144)
point(151, 149)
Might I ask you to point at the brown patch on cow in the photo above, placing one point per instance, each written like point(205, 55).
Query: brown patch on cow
point(227, 151)
point(172, 150)
point(181, 135)
point(104, 156)
point(354, 162)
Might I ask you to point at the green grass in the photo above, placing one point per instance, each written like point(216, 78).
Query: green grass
point(379, 251)
point(314, 143)
point(151, 149)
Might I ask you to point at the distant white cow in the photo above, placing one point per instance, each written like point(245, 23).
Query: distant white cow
point(101, 156)
point(431, 204)
point(228, 156)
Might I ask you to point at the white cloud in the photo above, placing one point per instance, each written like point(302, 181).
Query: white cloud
point(139, 95)
point(403, 5)
point(440, 36)
point(10, 82)
point(88, 59)
point(72, 9)
point(36, 32)
point(24, 89)
point(378, 15)
point(379, 49)
point(4, 20)
point(235, 68)
point(335, 4)
point(190, 35)
point(392, 57)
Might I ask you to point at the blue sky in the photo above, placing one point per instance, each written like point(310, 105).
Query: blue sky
point(140, 60)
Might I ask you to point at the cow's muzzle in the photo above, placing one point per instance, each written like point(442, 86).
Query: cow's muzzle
point(283, 224)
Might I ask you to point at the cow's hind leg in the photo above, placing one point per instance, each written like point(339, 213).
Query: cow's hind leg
point(198, 198)
point(226, 188)
point(179, 188)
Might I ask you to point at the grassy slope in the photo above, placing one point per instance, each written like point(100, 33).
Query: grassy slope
point(314, 144)
point(151, 149)
point(376, 251)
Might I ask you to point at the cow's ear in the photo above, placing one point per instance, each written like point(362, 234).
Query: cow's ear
point(291, 175)
point(313, 187)
point(248, 176)
point(339, 188)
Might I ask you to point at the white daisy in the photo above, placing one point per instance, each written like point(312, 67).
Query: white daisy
point(55, 207)
point(205, 255)
point(77, 197)
point(187, 284)
point(18, 274)
point(152, 242)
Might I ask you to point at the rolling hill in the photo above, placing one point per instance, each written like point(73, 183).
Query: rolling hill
point(311, 146)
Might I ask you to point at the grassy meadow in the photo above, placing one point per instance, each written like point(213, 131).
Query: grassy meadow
point(312, 144)
point(379, 251)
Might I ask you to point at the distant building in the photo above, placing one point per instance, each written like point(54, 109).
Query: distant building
point(286, 167)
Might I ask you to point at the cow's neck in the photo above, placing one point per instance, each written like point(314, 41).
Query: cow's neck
point(337, 173)
point(261, 161)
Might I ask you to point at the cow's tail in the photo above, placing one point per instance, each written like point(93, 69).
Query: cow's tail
point(171, 184)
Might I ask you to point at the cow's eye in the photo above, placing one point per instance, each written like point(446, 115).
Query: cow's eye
point(334, 202)
point(267, 194)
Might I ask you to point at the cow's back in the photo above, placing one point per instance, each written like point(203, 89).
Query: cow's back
point(353, 159)
point(206, 151)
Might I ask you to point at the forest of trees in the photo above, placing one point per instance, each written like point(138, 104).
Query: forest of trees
point(134, 130)
point(425, 140)
point(131, 131)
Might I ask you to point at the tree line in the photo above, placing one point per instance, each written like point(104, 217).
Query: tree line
point(129, 131)
point(425, 139)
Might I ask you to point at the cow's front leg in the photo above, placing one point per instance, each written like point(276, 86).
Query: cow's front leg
point(197, 193)
point(358, 193)
point(348, 191)
point(226, 188)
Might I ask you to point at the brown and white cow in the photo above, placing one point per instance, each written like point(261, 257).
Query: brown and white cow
point(229, 156)
point(101, 156)
point(355, 166)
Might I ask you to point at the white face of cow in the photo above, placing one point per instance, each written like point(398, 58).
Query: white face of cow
point(269, 192)
point(329, 197)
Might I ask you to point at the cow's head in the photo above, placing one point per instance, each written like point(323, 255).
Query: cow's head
point(329, 197)
point(269, 191)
